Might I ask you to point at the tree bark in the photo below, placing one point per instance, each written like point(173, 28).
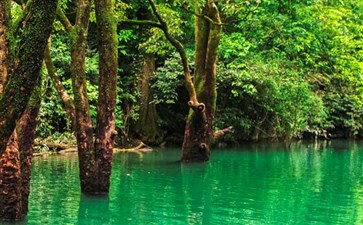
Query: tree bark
point(105, 132)
point(10, 182)
point(4, 42)
point(26, 129)
point(199, 131)
point(24, 78)
point(15, 168)
point(95, 156)
point(147, 122)
point(84, 133)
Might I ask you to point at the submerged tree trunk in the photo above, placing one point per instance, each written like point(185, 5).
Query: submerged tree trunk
point(15, 167)
point(10, 182)
point(147, 123)
point(84, 128)
point(95, 156)
point(22, 81)
point(26, 129)
point(105, 131)
point(199, 130)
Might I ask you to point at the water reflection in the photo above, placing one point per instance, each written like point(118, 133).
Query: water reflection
point(94, 210)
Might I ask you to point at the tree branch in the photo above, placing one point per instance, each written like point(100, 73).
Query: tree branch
point(179, 47)
point(62, 92)
point(64, 20)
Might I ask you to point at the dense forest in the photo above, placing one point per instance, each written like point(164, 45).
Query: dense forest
point(192, 74)
point(284, 69)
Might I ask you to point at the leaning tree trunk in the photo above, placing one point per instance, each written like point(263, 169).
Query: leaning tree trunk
point(26, 129)
point(15, 167)
point(199, 130)
point(10, 182)
point(105, 131)
point(61, 90)
point(15, 172)
point(24, 78)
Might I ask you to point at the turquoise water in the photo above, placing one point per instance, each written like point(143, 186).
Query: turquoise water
point(313, 183)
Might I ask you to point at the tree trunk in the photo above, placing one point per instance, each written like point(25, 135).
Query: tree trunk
point(84, 128)
point(95, 157)
point(24, 78)
point(199, 131)
point(26, 129)
point(15, 168)
point(4, 42)
point(105, 132)
point(10, 182)
point(147, 123)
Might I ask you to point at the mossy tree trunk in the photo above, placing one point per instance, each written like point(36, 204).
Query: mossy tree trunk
point(15, 163)
point(15, 168)
point(147, 123)
point(94, 151)
point(199, 130)
point(84, 130)
point(24, 78)
point(105, 131)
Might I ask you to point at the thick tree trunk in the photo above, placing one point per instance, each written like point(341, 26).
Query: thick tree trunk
point(199, 131)
point(31, 52)
point(147, 123)
point(84, 128)
point(26, 128)
point(15, 168)
point(105, 132)
point(10, 182)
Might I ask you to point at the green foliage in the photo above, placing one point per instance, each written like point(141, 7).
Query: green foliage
point(284, 66)
point(167, 80)
point(52, 114)
point(266, 100)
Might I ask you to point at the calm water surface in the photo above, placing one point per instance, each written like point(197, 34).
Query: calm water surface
point(311, 183)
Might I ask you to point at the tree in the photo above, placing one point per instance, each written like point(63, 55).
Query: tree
point(94, 151)
point(15, 167)
point(199, 130)
point(25, 76)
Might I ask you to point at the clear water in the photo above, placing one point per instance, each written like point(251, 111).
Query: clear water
point(314, 183)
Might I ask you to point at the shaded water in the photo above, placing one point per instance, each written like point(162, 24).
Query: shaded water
point(256, 184)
